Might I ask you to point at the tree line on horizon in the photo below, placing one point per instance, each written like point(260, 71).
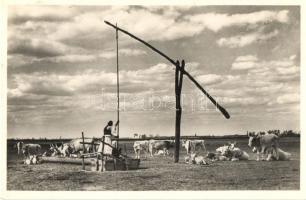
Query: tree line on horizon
point(284, 133)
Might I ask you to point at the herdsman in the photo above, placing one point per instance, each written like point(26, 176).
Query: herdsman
point(109, 134)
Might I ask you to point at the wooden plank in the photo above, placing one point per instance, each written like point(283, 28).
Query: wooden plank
point(66, 160)
point(89, 143)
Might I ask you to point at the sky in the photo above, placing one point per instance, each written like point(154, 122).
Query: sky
point(61, 70)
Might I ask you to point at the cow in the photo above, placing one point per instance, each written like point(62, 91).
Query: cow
point(235, 153)
point(141, 146)
point(155, 145)
point(28, 149)
point(77, 146)
point(283, 155)
point(195, 159)
point(222, 150)
point(193, 145)
point(261, 143)
point(64, 150)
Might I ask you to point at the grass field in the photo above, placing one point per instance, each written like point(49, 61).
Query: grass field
point(161, 173)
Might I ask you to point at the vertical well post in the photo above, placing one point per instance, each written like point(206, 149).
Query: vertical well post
point(178, 88)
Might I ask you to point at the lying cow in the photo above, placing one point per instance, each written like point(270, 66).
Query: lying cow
point(156, 145)
point(28, 150)
point(222, 149)
point(193, 145)
point(141, 146)
point(195, 159)
point(261, 143)
point(283, 155)
point(236, 153)
point(216, 156)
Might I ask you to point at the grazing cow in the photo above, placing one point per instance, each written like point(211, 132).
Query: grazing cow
point(260, 144)
point(155, 145)
point(141, 146)
point(28, 149)
point(193, 145)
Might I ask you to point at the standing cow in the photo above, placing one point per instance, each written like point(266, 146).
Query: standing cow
point(78, 147)
point(262, 143)
point(28, 149)
point(155, 145)
point(141, 146)
point(192, 146)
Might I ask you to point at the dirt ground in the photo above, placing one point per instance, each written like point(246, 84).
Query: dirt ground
point(161, 173)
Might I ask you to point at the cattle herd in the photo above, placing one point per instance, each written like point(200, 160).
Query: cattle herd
point(266, 146)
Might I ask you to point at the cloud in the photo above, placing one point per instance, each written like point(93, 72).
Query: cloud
point(288, 98)
point(247, 39)
point(217, 21)
point(35, 47)
point(288, 70)
point(90, 81)
point(209, 79)
point(292, 57)
point(131, 52)
point(246, 58)
point(20, 14)
point(243, 65)
point(273, 69)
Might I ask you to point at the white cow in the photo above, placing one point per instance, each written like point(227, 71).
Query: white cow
point(283, 155)
point(192, 146)
point(199, 160)
point(261, 143)
point(236, 153)
point(222, 150)
point(141, 146)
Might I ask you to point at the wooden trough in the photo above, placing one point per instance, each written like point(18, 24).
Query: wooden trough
point(66, 160)
point(110, 164)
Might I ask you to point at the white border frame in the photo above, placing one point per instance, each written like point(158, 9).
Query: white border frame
point(246, 194)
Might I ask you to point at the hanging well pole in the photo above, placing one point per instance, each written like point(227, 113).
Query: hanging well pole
point(221, 109)
point(118, 99)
